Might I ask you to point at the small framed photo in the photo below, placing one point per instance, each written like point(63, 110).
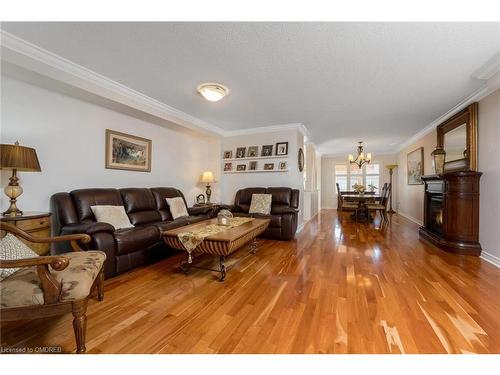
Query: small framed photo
point(253, 151)
point(228, 167)
point(282, 165)
point(241, 167)
point(252, 166)
point(268, 166)
point(282, 148)
point(228, 154)
point(240, 152)
point(267, 150)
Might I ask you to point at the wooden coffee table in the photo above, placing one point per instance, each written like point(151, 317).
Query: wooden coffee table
point(221, 244)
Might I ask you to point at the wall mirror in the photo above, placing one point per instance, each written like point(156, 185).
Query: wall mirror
point(458, 137)
point(455, 143)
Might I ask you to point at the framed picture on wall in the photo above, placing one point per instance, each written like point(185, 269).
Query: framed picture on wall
point(241, 167)
point(267, 150)
point(228, 154)
point(415, 166)
point(252, 166)
point(253, 151)
point(240, 152)
point(228, 167)
point(281, 148)
point(282, 165)
point(268, 166)
point(127, 152)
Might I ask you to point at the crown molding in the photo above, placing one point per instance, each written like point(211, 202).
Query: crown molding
point(268, 129)
point(32, 57)
point(474, 97)
point(489, 69)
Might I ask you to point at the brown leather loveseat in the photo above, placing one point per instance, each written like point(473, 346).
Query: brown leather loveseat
point(125, 248)
point(284, 210)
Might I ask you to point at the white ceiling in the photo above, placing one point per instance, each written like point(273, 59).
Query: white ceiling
point(376, 82)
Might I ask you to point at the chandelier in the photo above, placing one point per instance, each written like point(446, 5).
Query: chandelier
point(362, 158)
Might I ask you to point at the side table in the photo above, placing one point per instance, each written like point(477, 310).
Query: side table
point(35, 223)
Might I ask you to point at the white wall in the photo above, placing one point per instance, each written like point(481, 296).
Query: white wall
point(231, 183)
point(69, 137)
point(329, 190)
point(489, 146)
point(411, 197)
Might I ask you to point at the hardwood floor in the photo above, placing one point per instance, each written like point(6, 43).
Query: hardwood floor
point(341, 287)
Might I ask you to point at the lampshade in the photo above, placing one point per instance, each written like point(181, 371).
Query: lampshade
point(19, 157)
point(391, 166)
point(207, 177)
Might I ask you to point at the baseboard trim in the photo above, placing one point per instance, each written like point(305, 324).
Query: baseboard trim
point(411, 218)
point(490, 258)
point(300, 227)
point(328, 208)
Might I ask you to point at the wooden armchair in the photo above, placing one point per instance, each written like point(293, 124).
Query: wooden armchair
point(37, 291)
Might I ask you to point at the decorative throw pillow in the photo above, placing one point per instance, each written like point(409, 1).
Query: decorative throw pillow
point(11, 248)
point(177, 207)
point(261, 204)
point(114, 215)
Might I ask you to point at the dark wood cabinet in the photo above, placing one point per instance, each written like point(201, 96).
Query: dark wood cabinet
point(451, 212)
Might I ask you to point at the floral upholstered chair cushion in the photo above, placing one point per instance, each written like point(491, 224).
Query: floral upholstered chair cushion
point(23, 287)
point(12, 248)
point(260, 204)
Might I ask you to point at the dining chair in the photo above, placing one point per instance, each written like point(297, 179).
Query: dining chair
point(347, 206)
point(381, 207)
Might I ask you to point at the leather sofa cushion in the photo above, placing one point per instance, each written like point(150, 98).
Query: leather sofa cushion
point(63, 210)
point(244, 207)
point(84, 198)
point(136, 239)
point(159, 194)
point(177, 223)
point(245, 195)
point(140, 205)
point(281, 195)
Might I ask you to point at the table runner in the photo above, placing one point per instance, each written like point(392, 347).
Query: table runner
point(190, 240)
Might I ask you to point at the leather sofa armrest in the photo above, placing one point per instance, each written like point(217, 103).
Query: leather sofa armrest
point(199, 210)
point(229, 207)
point(284, 210)
point(87, 228)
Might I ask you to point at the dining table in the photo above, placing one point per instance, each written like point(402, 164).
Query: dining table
point(361, 199)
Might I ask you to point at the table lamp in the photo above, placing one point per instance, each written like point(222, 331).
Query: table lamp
point(208, 178)
point(17, 158)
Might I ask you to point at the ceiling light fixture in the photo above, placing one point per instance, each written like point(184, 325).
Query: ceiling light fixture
point(212, 91)
point(361, 158)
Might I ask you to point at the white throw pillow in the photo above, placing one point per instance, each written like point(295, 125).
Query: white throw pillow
point(261, 204)
point(11, 248)
point(177, 207)
point(114, 215)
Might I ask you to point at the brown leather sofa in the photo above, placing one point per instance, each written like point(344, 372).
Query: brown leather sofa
point(125, 248)
point(284, 210)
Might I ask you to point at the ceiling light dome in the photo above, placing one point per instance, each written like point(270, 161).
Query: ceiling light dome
point(212, 91)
